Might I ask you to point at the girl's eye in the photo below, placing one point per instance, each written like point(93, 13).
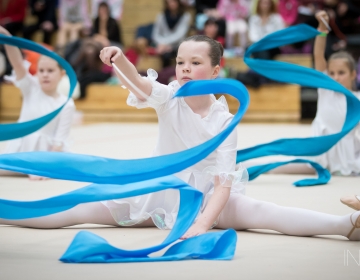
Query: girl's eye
point(196, 63)
point(341, 72)
point(179, 63)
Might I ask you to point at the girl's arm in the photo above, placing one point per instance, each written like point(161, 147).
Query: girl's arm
point(133, 81)
point(225, 161)
point(15, 57)
point(212, 211)
point(320, 43)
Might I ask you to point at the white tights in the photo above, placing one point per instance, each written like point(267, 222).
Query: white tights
point(241, 212)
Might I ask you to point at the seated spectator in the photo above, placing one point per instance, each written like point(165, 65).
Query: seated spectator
point(74, 18)
point(170, 29)
point(206, 9)
point(116, 8)
point(265, 21)
point(45, 11)
point(83, 56)
point(12, 15)
point(106, 29)
point(211, 29)
point(235, 12)
point(288, 9)
point(343, 17)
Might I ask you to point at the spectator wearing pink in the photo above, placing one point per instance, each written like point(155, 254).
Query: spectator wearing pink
point(235, 13)
point(288, 9)
point(74, 17)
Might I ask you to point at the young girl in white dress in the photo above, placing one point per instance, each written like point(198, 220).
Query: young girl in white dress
point(344, 157)
point(185, 123)
point(40, 97)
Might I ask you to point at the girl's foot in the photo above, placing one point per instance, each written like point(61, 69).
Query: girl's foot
point(353, 201)
point(354, 234)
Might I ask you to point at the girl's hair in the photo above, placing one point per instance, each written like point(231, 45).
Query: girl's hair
point(216, 49)
point(273, 8)
point(41, 56)
point(350, 61)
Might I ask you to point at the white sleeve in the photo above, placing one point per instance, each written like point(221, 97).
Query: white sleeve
point(26, 85)
point(226, 153)
point(159, 96)
point(63, 129)
point(254, 32)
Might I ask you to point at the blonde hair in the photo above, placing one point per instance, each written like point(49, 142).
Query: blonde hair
point(349, 61)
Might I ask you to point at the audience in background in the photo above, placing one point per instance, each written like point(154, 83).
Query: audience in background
point(73, 20)
point(266, 20)
point(12, 15)
point(45, 11)
point(235, 13)
point(170, 28)
point(90, 31)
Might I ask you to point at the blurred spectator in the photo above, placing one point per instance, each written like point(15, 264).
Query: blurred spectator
point(106, 29)
point(211, 29)
point(74, 18)
point(12, 15)
point(45, 11)
point(170, 29)
point(264, 22)
point(235, 12)
point(83, 56)
point(116, 8)
point(288, 9)
point(206, 9)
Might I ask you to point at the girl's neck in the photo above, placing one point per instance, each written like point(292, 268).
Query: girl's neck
point(199, 104)
point(264, 14)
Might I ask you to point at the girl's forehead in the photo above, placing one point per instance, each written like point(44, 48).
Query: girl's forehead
point(46, 61)
point(338, 63)
point(190, 48)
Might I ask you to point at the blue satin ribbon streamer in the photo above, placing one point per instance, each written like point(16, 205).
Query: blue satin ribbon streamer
point(141, 173)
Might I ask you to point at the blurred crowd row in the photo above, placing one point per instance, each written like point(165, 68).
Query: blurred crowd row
point(81, 28)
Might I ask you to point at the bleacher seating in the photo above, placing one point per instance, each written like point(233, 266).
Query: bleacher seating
point(107, 103)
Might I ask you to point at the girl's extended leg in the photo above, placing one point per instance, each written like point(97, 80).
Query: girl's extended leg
point(92, 213)
point(242, 212)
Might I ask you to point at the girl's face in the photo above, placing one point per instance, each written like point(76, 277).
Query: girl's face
point(340, 72)
point(173, 5)
point(193, 62)
point(49, 74)
point(264, 6)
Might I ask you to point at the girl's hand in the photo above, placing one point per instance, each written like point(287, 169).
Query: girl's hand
point(322, 15)
point(4, 31)
point(194, 230)
point(37, 178)
point(110, 54)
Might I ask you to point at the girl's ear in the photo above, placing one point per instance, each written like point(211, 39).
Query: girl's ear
point(353, 75)
point(216, 71)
